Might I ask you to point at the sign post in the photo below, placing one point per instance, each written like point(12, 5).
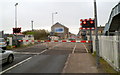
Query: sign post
point(88, 24)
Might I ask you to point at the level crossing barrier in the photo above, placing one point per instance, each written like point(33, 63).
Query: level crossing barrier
point(77, 41)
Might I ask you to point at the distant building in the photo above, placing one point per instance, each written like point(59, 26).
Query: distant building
point(100, 31)
point(87, 32)
point(60, 30)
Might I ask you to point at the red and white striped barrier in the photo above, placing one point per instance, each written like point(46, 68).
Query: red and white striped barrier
point(86, 28)
point(82, 41)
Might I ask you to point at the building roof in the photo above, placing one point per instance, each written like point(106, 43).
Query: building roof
point(59, 25)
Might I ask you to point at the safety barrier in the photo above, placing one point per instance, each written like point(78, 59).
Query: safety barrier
point(80, 41)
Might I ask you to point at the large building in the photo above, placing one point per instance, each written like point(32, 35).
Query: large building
point(60, 30)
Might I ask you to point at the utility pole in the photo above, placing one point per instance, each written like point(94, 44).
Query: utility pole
point(96, 40)
point(32, 25)
point(16, 21)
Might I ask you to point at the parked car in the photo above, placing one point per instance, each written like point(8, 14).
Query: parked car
point(6, 56)
point(3, 43)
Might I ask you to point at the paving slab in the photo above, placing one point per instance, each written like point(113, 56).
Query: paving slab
point(80, 63)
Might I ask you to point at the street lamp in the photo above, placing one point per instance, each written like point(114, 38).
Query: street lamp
point(53, 17)
point(16, 22)
point(32, 25)
point(16, 15)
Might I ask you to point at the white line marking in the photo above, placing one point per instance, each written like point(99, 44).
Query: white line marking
point(20, 63)
point(86, 48)
point(24, 61)
point(43, 51)
point(15, 65)
point(66, 64)
point(74, 48)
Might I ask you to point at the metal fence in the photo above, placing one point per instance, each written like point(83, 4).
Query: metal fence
point(109, 50)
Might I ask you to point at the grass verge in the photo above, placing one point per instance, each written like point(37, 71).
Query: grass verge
point(106, 67)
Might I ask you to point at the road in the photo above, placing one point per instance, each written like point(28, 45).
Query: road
point(43, 58)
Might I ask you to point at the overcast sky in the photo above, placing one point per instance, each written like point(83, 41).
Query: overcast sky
point(40, 11)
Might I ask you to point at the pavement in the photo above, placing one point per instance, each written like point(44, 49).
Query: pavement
point(81, 63)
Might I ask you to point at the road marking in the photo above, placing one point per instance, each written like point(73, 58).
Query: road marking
point(42, 51)
point(74, 48)
point(15, 65)
point(25, 53)
point(86, 48)
point(24, 61)
point(20, 63)
point(66, 63)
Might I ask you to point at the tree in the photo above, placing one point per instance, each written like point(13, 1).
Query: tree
point(38, 34)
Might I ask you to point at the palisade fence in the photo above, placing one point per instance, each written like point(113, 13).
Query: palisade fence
point(109, 50)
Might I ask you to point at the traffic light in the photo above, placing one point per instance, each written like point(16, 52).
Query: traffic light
point(87, 23)
point(92, 23)
point(16, 30)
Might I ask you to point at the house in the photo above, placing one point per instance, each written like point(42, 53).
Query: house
point(60, 30)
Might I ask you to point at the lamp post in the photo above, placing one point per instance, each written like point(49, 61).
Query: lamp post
point(32, 25)
point(16, 23)
point(16, 15)
point(96, 40)
point(53, 17)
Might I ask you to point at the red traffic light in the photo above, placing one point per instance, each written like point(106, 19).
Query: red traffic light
point(81, 19)
point(91, 22)
point(84, 22)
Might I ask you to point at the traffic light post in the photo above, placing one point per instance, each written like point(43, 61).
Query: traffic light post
point(89, 23)
point(91, 44)
point(15, 31)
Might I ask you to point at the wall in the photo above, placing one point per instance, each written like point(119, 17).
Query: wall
point(28, 37)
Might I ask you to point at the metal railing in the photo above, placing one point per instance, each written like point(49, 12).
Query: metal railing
point(109, 50)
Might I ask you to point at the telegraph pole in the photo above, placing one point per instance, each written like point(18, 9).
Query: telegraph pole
point(96, 40)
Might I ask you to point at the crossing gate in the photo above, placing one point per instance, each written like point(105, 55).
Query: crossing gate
point(38, 41)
